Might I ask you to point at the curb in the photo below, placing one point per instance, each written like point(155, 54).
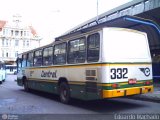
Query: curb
point(146, 98)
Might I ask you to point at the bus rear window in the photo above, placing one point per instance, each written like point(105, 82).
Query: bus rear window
point(93, 46)
point(122, 45)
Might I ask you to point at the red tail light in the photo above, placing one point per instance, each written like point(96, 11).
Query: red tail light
point(114, 85)
point(147, 83)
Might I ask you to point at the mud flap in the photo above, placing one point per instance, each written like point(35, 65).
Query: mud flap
point(92, 91)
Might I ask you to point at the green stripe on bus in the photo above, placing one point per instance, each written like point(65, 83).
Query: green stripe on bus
point(90, 64)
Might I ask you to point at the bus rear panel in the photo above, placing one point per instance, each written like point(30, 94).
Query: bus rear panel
point(128, 69)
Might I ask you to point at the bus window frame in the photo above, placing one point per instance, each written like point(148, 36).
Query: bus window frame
point(65, 43)
point(48, 55)
point(24, 61)
point(19, 61)
point(91, 61)
point(85, 45)
point(31, 60)
point(39, 57)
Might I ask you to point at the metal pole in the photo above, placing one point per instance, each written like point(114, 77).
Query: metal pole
point(97, 11)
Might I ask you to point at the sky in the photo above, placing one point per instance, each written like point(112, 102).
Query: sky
point(52, 18)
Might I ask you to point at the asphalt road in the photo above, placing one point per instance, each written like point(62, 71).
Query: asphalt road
point(15, 101)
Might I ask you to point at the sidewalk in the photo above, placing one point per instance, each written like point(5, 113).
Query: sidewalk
point(153, 97)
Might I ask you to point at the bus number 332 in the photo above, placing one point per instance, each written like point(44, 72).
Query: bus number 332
point(119, 73)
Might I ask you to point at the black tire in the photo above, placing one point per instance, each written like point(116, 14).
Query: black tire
point(15, 73)
point(25, 85)
point(0, 82)
point(64, 92)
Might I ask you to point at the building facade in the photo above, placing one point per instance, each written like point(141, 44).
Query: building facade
point(15, 39)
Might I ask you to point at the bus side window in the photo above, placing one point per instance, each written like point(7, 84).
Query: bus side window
point(37, 58)
point(19, 64)
point(77, 50)
point(24, 60)
point(30, 59)
point(48, 56)
point(93, 47)
point(60, 53)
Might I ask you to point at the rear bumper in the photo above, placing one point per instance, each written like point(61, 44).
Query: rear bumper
point(126, 91)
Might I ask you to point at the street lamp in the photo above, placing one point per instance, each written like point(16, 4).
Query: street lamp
point(97, 11)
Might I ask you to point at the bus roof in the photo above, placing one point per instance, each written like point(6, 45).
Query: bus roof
point(130, 22)
point(19, 55)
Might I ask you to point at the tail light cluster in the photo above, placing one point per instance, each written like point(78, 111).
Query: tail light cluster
point(147, 83)
point(115, 85)
point(130, 81)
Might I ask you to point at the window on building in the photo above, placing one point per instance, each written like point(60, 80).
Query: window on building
point(93, 46)
point(24, 33)
point(3, 42)
point(10, 42)
point(30, 59)
point(60, 53)
point(21, 33)
point(24, 42)
point(11, 32)
point(38, 58)
point(16, 42)
point(4, 31)
point(27, 43)
point(27, 33)
point(7, 54)
point(77, 51)
point(2, 53)
point(48, 56)
point(7, 42)
point(16, 33)
point(16, 54)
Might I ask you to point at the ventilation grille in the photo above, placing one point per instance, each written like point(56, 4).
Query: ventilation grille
point(91, 74)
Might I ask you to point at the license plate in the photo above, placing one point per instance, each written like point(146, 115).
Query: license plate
point(132, 81)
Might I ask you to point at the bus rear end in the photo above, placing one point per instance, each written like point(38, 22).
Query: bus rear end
point(127, 68)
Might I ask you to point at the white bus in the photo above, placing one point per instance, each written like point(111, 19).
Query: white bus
point(11, 69)
point(2, 73)
point(99, 63)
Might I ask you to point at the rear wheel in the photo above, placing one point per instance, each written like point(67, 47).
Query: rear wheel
point(26, 85)
point(64, 92)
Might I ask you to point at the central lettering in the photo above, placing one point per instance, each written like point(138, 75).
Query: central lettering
point(49, 74)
